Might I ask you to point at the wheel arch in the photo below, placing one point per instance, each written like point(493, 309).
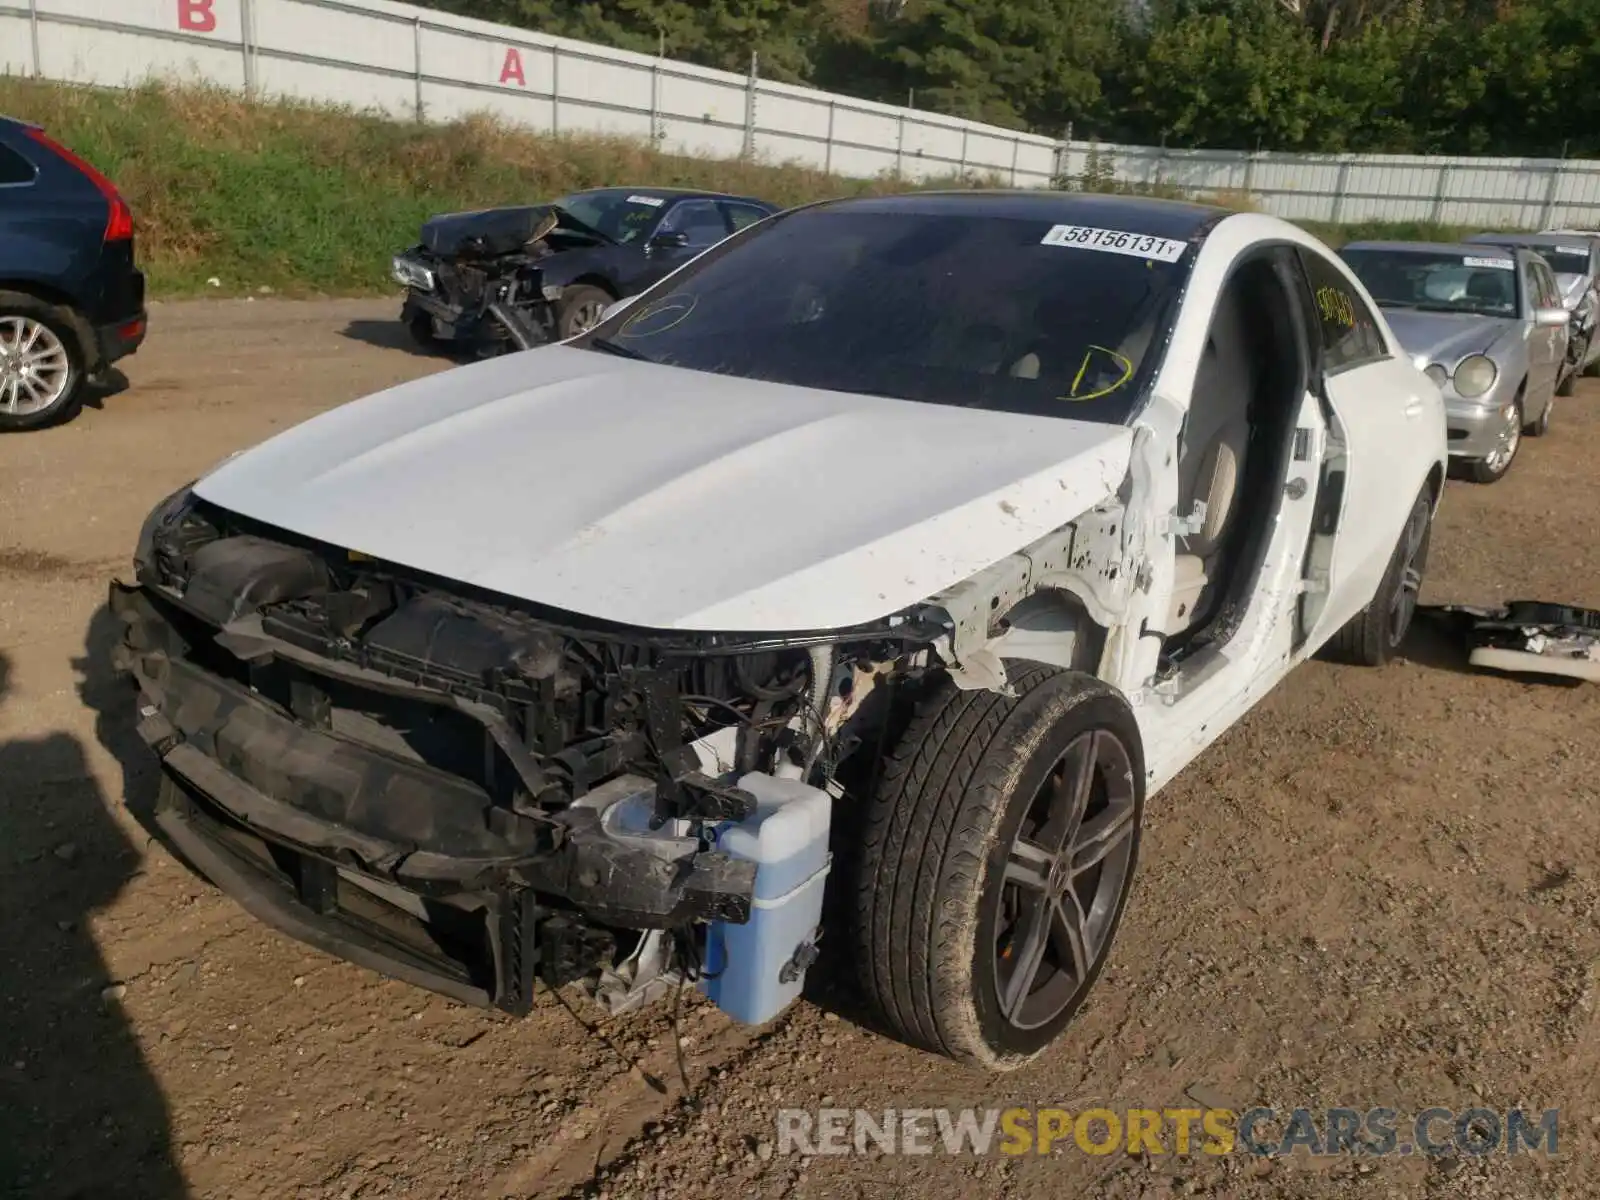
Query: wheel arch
point(39, 290)
point(595, 279)
point(1051, 627)
point(87, 344)
point(1435, 483)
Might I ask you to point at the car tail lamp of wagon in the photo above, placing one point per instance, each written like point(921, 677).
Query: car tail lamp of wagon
point(119, 223)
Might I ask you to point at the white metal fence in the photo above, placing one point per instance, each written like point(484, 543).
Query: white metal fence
point(1506, 193)
point(420, 64)
point(413, 62)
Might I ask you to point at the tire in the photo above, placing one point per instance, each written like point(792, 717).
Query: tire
point(1542, 426)
point(580, 308)
point(1569, 382)
point(1493, 469)
point(42, 370)
point(942, 835)
point(1373, 635)
point(420, 327)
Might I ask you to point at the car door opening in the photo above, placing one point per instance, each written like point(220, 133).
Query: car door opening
point(1237, 442)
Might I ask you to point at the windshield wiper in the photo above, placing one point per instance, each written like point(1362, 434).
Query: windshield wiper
point(610, 347)
point(1455, 310)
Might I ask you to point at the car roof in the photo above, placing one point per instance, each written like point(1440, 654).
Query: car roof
point(1462, 248)
point(1523, 239)
point(674, 193)
point(1176, 219)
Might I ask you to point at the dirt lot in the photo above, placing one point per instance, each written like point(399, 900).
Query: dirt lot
point(1381, 889)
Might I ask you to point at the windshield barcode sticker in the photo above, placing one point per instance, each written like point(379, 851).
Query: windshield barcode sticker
point(652, 201)
point(1571, 250)
point(1495, 264)
point(1115, 241)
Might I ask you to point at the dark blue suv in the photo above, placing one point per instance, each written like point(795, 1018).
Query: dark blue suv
point(71, 298)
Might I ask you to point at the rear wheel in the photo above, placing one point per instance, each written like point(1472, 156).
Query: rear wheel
point(1569, 382)
point(1374, 635)
point(998, 854)
point(41, 363)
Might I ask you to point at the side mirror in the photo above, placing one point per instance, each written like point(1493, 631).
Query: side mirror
point(669, 241)
point(1551, 318)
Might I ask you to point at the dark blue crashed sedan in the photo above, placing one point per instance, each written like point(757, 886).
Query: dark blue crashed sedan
point(513, 278)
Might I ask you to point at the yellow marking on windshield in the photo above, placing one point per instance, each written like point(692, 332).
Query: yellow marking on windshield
point(664, 305)
point(1083, 368)
point(1336, 307)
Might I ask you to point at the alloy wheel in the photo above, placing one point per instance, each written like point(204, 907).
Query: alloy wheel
point(1413, 560)
point(1064, 879)
point(585, 317)
point(35, 368)
point(1499, 459)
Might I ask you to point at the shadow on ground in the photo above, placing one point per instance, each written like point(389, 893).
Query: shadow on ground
point(102, 388)
point(80, 1113)
point(393, 335)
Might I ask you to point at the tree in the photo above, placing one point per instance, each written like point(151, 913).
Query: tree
point(1022, 63)
point(1423, 76)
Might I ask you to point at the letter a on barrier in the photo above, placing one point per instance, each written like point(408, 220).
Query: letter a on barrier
point(512, 71)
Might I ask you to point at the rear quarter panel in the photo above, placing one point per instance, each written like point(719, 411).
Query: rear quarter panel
point(52, 230)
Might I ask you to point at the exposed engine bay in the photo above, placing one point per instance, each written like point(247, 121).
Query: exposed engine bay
point(477, 277)
point(464, 794)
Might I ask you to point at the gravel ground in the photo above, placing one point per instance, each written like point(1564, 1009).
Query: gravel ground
point(1378, 890)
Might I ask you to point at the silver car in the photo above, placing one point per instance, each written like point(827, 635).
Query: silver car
point(1488, 326)
point(1575, 258)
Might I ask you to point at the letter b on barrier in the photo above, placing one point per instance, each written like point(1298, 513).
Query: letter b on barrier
point(197, 16)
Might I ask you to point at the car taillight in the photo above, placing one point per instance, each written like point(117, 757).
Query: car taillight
point(119, 224)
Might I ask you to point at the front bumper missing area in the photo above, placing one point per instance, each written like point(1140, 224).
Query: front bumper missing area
point(1528, 636)
point(386, 861)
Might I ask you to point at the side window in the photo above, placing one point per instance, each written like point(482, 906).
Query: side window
point(1548, 285)
point(14, 169)
point(1350, 331)
point(741, 215)
point(702, 220)
point(1538, 283)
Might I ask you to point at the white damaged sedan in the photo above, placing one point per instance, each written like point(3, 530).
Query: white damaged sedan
point(893, 551)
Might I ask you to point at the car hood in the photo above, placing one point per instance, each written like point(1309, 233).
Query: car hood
point(673, 499)
point(489, 232)
point(1446, 338)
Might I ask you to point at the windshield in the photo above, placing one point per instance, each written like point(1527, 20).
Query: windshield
point(621, 215)
point(1565, 259)
point(1004, 313)
point(1482, 283)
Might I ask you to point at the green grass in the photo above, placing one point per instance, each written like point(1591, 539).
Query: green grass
point(306, 199)
point(1388, 231)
